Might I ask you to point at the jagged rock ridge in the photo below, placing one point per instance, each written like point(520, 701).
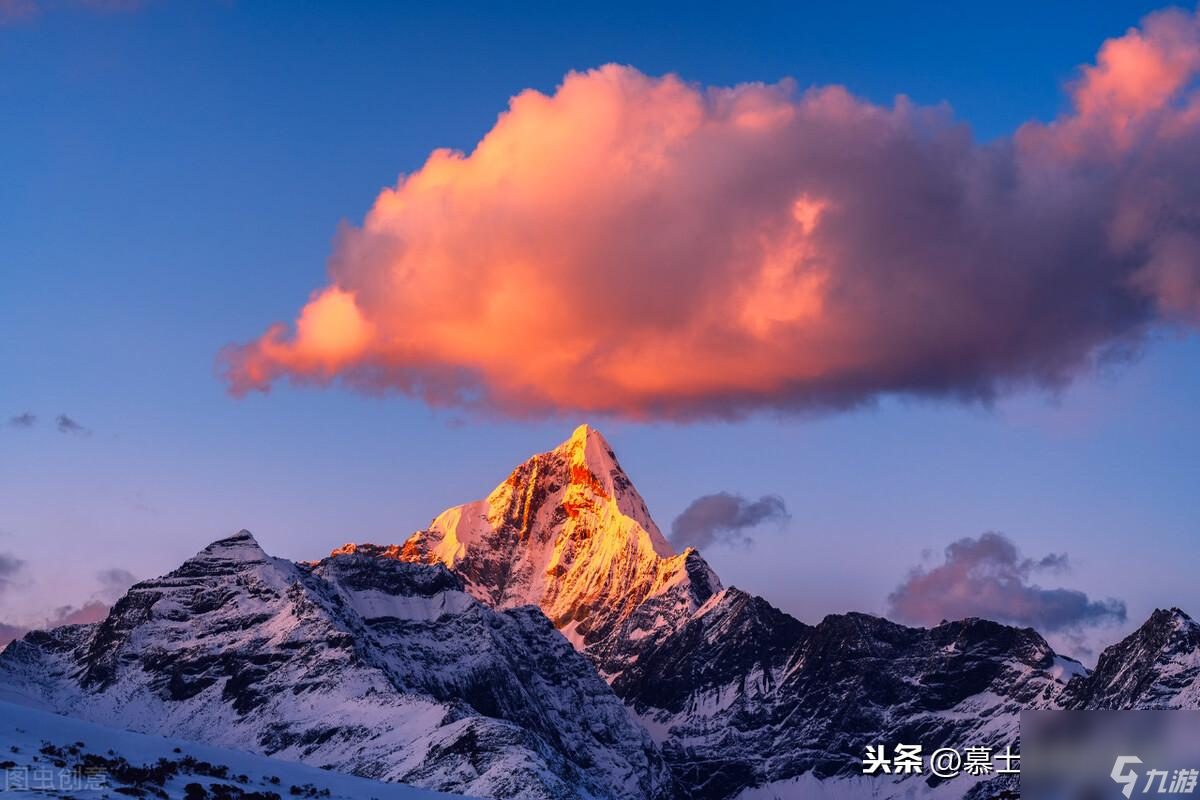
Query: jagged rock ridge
point(746, 696)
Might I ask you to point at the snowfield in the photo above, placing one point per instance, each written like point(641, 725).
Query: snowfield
point(25, 733)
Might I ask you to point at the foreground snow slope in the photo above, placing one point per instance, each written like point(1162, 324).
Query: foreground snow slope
point(30, 730)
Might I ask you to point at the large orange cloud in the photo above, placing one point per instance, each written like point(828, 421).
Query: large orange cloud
point(650, 248)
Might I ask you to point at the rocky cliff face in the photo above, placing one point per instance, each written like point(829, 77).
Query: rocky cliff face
point(745, 696)
point(363, 664)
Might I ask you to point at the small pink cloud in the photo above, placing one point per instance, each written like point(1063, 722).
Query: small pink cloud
point(987, 577)
point(9, 633)
point(92, 611)
point(17, 10)
point(114, 582)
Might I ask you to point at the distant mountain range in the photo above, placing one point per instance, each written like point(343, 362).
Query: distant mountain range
point(436, 661)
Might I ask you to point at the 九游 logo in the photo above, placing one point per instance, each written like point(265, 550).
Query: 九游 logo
point(1158, 781)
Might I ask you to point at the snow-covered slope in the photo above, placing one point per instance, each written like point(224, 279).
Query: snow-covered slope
point(368, 665)
point(569, 533)
point(56, 756)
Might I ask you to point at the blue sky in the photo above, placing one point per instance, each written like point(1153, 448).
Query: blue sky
point(172, 179)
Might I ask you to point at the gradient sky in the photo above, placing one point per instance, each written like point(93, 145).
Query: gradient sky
point(172, 176)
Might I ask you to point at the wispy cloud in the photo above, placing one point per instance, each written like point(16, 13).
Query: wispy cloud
point(12, 11)
point(114, 582)
point(724, 518)
point(10, 567)
point(67, 425)
point(18, 11)
point(988, 577)
point(89, 612)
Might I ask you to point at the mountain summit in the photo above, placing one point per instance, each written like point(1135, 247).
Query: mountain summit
point(568, 532)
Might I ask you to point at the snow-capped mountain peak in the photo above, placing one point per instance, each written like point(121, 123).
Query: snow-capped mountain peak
point(568, 532)
point(595, 475)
